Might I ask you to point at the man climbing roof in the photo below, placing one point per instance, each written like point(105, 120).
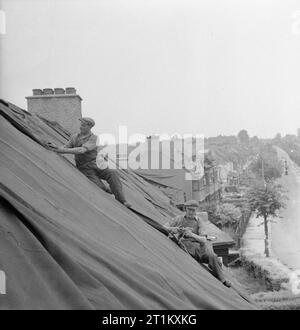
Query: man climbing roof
point(84, 146)
point(193, 239)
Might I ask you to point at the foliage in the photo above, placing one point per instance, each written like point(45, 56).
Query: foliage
point(278, 137)
point(227, 215)
point(278, 300)
point(270, 271)
point(209, 159)
point(267, 164)
point(266, 200)
point(243, 137)
point(291, 145)
point(254, 140)
point(223, 215)
point(270, 170)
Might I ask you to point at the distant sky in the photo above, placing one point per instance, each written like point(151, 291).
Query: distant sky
point(160, 66)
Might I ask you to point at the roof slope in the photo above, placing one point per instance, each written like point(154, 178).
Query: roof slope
point(65, 244)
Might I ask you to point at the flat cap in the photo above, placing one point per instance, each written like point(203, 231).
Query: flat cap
point(191, 203)
point(88, 121)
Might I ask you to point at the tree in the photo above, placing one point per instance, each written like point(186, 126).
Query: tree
point(254, 140)
point(209, 159)
point(243, 136)
point(266, 201)
point(278, 137)
point(291, 147)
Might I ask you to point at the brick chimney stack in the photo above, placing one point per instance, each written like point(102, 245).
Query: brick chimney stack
point(60, 105)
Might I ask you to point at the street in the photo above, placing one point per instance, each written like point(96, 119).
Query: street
point(286, 231)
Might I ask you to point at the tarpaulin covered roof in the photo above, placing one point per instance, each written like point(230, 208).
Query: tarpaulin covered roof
point(66, 244)
point(172, 178)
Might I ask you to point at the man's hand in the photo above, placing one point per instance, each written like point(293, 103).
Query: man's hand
point(173, 230)
point(55, 148)
point(188, 232)
point(51, 145)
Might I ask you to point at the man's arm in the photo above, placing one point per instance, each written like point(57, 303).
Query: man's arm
point(201, 239)
point(69, 149)
point(172, 226)
point(74, 151)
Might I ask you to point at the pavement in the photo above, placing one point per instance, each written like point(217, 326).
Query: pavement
point(285, 233)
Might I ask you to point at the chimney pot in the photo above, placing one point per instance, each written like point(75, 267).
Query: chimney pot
point(70, 90)
point(59, 91)
point(48, 91)
point(37, 92)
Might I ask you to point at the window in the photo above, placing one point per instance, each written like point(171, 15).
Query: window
point(196, 185)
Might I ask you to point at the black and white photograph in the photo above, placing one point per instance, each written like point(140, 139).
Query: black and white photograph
point(149, 158)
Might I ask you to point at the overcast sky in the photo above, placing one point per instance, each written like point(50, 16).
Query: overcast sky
point(161, 66)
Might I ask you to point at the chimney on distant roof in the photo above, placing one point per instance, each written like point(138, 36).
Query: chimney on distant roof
point(60, 105)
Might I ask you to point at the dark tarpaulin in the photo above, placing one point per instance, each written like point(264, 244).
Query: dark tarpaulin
point(65, 244)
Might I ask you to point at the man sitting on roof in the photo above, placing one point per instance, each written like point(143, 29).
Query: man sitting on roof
point(197, 245)
point(84, 146)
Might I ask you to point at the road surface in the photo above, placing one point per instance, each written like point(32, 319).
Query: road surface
point(285, 232)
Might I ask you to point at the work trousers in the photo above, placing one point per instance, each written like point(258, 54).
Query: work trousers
point(111, 176)
point(204, 253)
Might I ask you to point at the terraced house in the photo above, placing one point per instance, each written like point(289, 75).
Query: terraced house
point(59, 230)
